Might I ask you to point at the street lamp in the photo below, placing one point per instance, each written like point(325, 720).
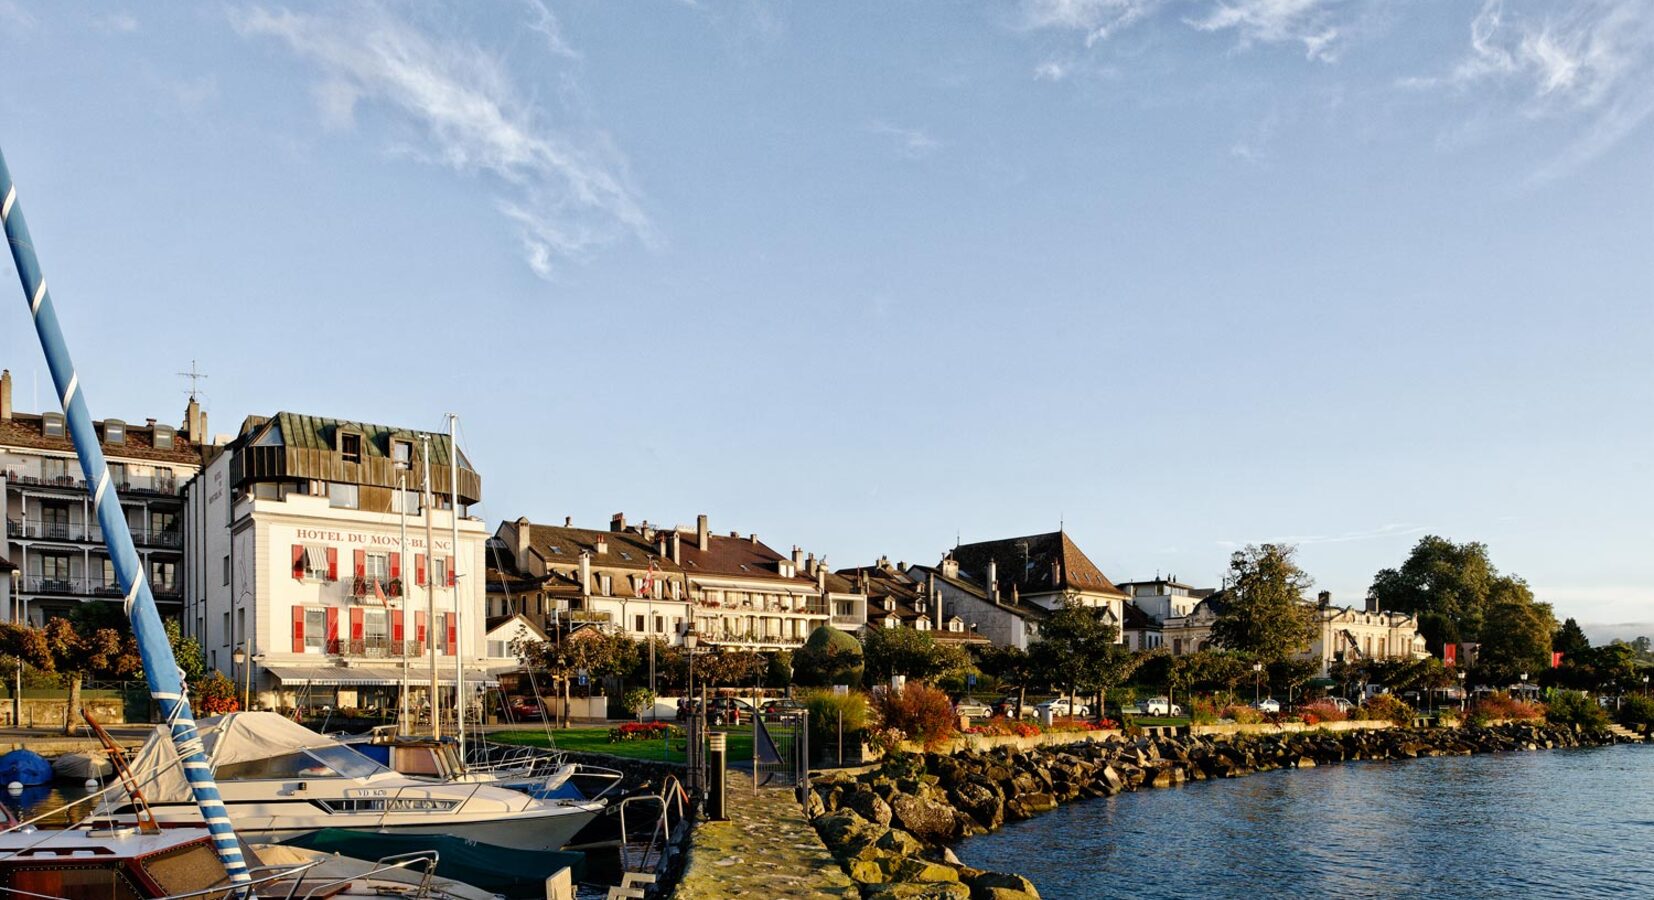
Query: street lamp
point(1257, 682)
point(17, 689)
point(1524, 684)
point(239, 657)
point(1464, 695)
point(563, 675)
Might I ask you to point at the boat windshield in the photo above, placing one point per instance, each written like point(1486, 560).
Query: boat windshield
point(315, 762)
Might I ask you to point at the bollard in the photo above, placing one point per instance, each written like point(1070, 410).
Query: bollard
point(717, 751)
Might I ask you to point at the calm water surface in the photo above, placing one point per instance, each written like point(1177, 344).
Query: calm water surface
point(1559, 823)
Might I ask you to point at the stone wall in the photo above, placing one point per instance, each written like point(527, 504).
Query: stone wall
point(49, 713)
point(891, 826)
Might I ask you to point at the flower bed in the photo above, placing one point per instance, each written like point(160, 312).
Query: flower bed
point(643, 731)
point(1000, 727)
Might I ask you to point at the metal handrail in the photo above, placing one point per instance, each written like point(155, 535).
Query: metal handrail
point(429, 857)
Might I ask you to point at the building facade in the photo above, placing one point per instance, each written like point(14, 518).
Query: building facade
point(1164, 598)
point(1002, 618)
point(896, 595)
point(52, 532)
point(295, 532)
point(1342, 634)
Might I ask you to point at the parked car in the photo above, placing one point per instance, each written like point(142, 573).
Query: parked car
point(525, 709)
point(1005, 706)
point(773, 710)
point(727, 710)
point(970, 706)
point(1342, 704)
point(1158, 706)
point(1268, 705)
point(1061, 708)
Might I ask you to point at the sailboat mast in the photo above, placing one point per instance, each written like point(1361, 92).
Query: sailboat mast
point(402, 724)
point(166, 683)
point(430, 591)
point(459, 621)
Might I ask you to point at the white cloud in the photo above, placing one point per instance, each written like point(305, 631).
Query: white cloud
point(1589, 62)
point(1097, 19)
point(566, 194)
point(1050, 70)
point(1275, 22)
point(911, 143)
point(546, 24)
point(118, 22)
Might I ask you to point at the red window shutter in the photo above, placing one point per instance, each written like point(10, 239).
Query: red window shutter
point(396, 625)
point(361, 563)
point(332, 630)
point(448, 564)
point(298, 561)
point(396, 566)
point(357, 615)
point(453, 633)
point(298, 629)
point(419, 569)
point(419, 628)
point(332, 564)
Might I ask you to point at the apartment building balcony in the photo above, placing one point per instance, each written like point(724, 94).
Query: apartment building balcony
point(149, 485)
point(846, 621)
point(377, 648)
point(94, 587)
point(84, 533)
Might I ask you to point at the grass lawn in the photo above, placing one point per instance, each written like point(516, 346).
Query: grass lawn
point(596, 740)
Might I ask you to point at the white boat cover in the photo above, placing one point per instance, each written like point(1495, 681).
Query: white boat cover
point(233, 738)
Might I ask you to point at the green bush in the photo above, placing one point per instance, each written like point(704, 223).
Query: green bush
point(825, 708)
point(1637, 710)
point(828, 657)
point(1389, 708)
point(1576, 709)
point(920, 711)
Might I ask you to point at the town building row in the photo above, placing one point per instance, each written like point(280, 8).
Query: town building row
point(343, 559)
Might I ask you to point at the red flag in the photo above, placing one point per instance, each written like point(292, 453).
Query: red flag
point(1450, 654)
point(646, 587)
point(1556, 659)
point(379, 592)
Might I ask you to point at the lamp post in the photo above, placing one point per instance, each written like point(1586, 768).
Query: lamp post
point(1524, 684)
point(239, 657)
point(1645, 682)
point(1257, 683)
point(563, 676)
point(691, 640)
point(1464, 694)
point(17, 687)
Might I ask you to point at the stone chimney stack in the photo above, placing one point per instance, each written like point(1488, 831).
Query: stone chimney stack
point(661, 543)
point(821, 578)
point(568, 521)
point(1372, 603)
point(1323, 599)
point(935, 598)
point(703, 537)
point(798, 559)
point(195, 423)
point(585, 573)
point(993, 581)
point(602, 545)
point(617, 522)
point(950, 567)
point(5, 395)
point(677, 548)
point(522, 530)
point(810, 564)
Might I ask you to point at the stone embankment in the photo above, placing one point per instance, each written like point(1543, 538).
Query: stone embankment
point(891, 827)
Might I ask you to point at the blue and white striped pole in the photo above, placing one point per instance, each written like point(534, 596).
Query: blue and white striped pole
point(166, 682)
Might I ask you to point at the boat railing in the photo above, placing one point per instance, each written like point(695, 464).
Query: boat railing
point(386, 864)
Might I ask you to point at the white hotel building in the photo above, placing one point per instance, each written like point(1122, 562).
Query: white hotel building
point(296, 555)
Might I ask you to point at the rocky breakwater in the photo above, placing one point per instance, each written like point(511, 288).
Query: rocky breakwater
point(891, 827)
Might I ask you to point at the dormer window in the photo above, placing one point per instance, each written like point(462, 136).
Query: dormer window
point(114, 431)
point(51, 424)
point(350, 446)
point(402, 454)
point(163, 437)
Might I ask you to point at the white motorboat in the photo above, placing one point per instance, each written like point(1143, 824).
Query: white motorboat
point(280, 779)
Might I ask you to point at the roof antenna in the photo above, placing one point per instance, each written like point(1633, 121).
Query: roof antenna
point(195, 376)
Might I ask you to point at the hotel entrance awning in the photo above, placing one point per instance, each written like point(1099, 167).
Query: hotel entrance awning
point(371, 676)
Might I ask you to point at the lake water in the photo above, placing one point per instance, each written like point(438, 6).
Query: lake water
point(1540, 824)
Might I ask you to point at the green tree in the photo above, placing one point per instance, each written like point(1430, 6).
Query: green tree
point(779, 671)
point(829, 656)
point(192, 661)
point(1516, 638)
point(1451, 587)
point(1012, 668)
point(909, 652)
point(1570, 640)
point(1264, 611)
point(1078, 650)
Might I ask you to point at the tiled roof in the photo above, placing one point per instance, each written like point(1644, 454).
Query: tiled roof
point(1035, 564)
point(733, 556)
point(1136, 619)
point(1006, 601)
point(25, 430)
point(562, 545)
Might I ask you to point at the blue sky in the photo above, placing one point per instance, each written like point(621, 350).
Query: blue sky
point(1179, 274)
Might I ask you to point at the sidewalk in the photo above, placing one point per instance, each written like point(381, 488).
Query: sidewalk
point(766, 850)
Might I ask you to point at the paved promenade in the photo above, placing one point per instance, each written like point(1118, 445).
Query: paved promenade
point(767, 850)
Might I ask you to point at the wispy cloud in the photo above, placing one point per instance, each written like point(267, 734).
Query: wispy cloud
point(911, 143)
point(565, 192)
point(1050, 70)
point(14, 16)
point(545, 23)
point(1590, 62)
point(1097, 19)
point(116, 23)
point(1373, 534)
point(1304, 22)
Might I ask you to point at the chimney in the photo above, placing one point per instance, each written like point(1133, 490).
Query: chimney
point(821, 578)
point(1372, 603)
point(585, 573)
point(521, 529)
point(798, 559)
point(950, 567)
point(703, 537)
point(660, 544)
point(677, 548)
point(617, 522)
point(150, 424)
point(993, 581)
point(5, 395)
point(1323, 599)
point(810, 564)
point(195, 423)
point(753, 537)
point(568, 521)
point(602, 545)
point(930, 589)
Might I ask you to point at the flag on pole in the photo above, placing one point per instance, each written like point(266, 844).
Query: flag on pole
point(646, 587)
point(1450, 654)
point(1556, 659)
point(379, 593)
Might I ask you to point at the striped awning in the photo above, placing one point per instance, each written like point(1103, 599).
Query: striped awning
point(371, 676)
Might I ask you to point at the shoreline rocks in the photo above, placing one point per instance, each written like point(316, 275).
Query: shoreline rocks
point(891, 827)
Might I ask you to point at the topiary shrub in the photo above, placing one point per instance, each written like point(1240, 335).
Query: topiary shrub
point(828, 657)
point(1576, 709)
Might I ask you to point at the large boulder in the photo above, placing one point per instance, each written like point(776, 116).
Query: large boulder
point(868, 805)
point(979, 801)
point(929, 821)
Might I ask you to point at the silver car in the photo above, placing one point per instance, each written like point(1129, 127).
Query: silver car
point(970, 706)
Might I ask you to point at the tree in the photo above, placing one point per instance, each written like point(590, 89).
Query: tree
point(192, 661)
point(829, 656)
point(1570, 640)
point(1012, 668)
point(779, 669)
point(1264, 611)
point(1451, 587)
point(1516, 638)
point(909, 652)
point(1078, 651)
